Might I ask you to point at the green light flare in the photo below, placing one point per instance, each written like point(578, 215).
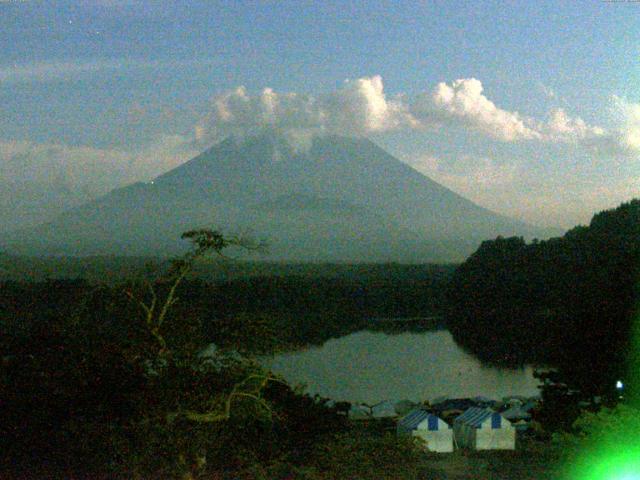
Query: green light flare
point(611, 464)
point(633, 362)
point(615, 454)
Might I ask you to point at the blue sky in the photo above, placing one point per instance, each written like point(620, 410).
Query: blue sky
point(140, 76)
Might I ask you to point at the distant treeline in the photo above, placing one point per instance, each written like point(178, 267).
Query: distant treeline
point(567, 301)
point(114, 269)
point(296, 310)
point(87, 392)
point(90, 391)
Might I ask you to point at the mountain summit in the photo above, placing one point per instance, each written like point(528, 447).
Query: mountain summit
point(342, 199)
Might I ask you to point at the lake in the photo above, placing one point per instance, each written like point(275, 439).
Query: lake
point(370, 367)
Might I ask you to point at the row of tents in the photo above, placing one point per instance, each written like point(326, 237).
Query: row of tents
point(517, 409)
point(476, 429)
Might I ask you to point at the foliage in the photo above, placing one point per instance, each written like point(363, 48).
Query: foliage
point(567, 302)
point(190, 391)
point(610, 425)
point(602, 445)
point(101, 383)
point(91, 385)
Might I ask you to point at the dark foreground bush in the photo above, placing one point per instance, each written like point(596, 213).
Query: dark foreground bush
point(108, 382)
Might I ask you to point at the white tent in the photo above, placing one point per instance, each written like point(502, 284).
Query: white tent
point(484, 429)
point(437, 434)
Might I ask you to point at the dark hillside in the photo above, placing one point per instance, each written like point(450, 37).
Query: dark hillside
point(567, 301)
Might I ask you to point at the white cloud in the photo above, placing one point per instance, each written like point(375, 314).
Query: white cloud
point(563, 128)
point(81, 168)
point(47, 71)
point(464, 101)
point(622, 141)
point(238, 113)
point(360, 107)
point(628, 135)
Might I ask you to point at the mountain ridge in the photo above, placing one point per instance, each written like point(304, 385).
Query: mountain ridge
point(342, 199)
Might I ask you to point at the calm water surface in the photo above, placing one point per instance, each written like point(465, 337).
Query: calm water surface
point(370, 367)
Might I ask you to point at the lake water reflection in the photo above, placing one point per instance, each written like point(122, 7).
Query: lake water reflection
point(370, 367)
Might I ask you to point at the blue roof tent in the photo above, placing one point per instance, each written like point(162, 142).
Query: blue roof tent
point(476, 416)
point(484, 429)
point(415, 418)
point(435, 432)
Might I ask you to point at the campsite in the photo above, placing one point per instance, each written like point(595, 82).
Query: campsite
point(93, 325)
point(319, 240)
point(471, 424)
point(532, 459)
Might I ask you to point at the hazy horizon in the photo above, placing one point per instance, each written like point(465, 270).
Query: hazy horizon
point(526, 109)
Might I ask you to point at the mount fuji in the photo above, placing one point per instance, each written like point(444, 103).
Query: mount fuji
point(342, 199)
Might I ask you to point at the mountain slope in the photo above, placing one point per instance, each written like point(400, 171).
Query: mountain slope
point(344, 199)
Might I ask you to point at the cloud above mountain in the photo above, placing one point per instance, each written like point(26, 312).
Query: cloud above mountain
point(359, 107)
point(362, 107)
point(628, 136)
point(463, 101)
